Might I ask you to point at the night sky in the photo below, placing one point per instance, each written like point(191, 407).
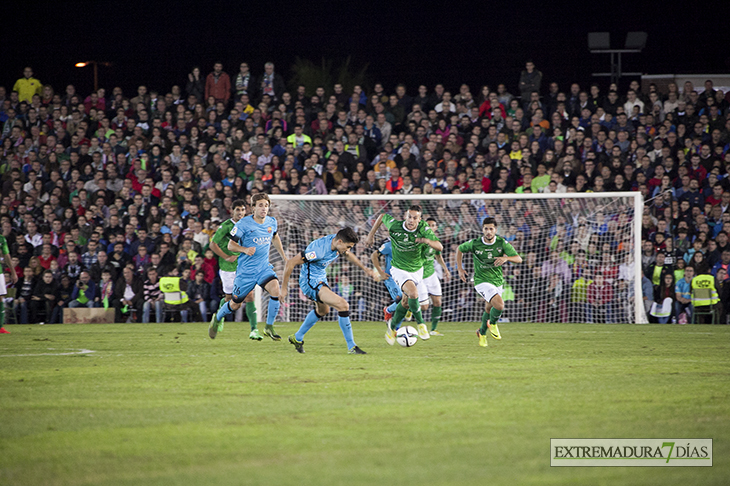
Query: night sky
point(449, 42)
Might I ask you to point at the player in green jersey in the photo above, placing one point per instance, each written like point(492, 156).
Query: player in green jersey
point(3, 290)
point(408, 239)
point(490, 253)
point(431, 285)
point(227, 264)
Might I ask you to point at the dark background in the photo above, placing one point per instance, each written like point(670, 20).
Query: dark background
point(448, 42)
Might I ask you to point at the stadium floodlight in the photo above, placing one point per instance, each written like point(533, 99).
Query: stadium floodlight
point(600, 43)
point(95, 65)
point(602, 228)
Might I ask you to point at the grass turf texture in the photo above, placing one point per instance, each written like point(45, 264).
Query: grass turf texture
point(164, 404)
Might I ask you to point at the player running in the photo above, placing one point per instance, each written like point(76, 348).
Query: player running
point(313, 282)
point(431, 285)
point(490, 253)
point(227, 269)
point(408, 239)
point(252, 237)
point(5, 253)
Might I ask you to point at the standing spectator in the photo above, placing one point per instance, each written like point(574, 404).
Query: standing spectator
point(530, 80)
point(43, 299)
point(27, 86)
point(666, 290)
point(152, 297)
point(270, 83)
point(199, 292)
point(683, 297)
point(25, 292)
point(84, 292)
point(194, 86)
point(128, 296)
point(600, 295)
point(218, 84)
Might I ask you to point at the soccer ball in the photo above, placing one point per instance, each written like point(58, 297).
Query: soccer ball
point(407, 336)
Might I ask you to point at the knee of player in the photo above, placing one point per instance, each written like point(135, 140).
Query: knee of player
point(424, 307)
point(342, 305)
point(499, 305)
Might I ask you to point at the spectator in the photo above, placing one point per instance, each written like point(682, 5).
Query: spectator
point(128, 296)
point(43, 298)
point(84, 293)
point(27, 86)
point(153, 297)
point(217, 84)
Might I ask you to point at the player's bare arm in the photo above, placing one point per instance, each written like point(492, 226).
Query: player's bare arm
point(350, 256)
point(288, 269)
point(13, 275)
point(440, 259)
point(373, 231)
point(375, 259)
point(459, 266)
point(499, 261)
point(233, 246)
point(435, 244)
point(218, 251)
point(279, 247)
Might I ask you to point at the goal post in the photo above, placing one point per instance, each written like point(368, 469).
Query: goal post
point(581, 252)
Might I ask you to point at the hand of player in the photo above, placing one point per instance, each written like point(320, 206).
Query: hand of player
point(499, 261)
point(249, 250)
point(462, 275)
point(447, 275)
point(371, 274)
point(369, 241)
point(231, 258)
point(284, 290)
point(14, 278)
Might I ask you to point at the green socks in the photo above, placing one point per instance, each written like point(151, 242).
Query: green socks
point(415, 309)
point(494, 315)
point(251, 314)
point(485, 320)
point(2, 311)
point(435, 316)
point(398, 316)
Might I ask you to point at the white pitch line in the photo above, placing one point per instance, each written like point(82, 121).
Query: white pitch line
point(82, 351)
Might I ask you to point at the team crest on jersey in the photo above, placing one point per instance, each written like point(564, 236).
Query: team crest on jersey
point(269, 229)
point(311, 255)
point(233, 231)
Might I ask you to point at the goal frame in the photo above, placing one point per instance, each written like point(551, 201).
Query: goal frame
point(638, 207)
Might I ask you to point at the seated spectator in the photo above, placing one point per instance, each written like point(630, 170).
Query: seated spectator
point(84, 293)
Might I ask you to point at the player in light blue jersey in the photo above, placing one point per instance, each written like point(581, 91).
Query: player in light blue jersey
point(252, 237)
point(313, 282)
point(395, 292)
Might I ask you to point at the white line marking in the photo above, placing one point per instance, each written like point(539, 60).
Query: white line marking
point(81, 351)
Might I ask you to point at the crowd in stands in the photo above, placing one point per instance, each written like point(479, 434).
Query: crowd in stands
point(103, 193)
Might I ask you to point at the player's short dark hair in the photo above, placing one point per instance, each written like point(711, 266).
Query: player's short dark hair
point(238, 203)
point(415, 207)
point(347, 235)
point(489, 220)
point(430, 218)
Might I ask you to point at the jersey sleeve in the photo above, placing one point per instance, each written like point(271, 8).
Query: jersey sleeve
point(467, 246)
point(386, 249)
point(220, 235)
point(428, 233)
point(5, 248)
point(509, 250)
point(314, 251)
point(275, 225)
point(388, 220)
point(237, 232)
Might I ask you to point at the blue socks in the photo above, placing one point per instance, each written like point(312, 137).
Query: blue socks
point(273, 310)
point(346, 327)
point(308, 323)
point(392, 307)
point(224, 311)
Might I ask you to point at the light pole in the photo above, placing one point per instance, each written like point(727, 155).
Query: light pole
point(95, 64)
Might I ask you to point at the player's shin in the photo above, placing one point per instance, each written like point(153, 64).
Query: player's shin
point(273, 310)
point(400, 314)
point(346, 327)
point(251, 314)
point(308, 323)
point(435, 317)
point(415, 309)
point(494, 314)
point(485, 320)
point(224, 311)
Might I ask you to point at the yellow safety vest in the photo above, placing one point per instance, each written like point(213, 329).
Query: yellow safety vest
point(703, 291)
point(170, 287)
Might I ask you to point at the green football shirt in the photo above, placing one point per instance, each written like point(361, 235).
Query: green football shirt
point(484, 256)
point(407, 254)
point(429, 256)
point(4, 247)
point(221, 237)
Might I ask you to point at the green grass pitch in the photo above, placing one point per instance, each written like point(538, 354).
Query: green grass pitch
point(166, 405)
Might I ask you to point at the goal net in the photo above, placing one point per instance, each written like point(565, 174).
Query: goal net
point(581, 253)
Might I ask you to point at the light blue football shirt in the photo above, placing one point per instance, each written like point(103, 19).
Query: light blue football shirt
point(387, 251)
point(249, 233)
point(318, 255)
